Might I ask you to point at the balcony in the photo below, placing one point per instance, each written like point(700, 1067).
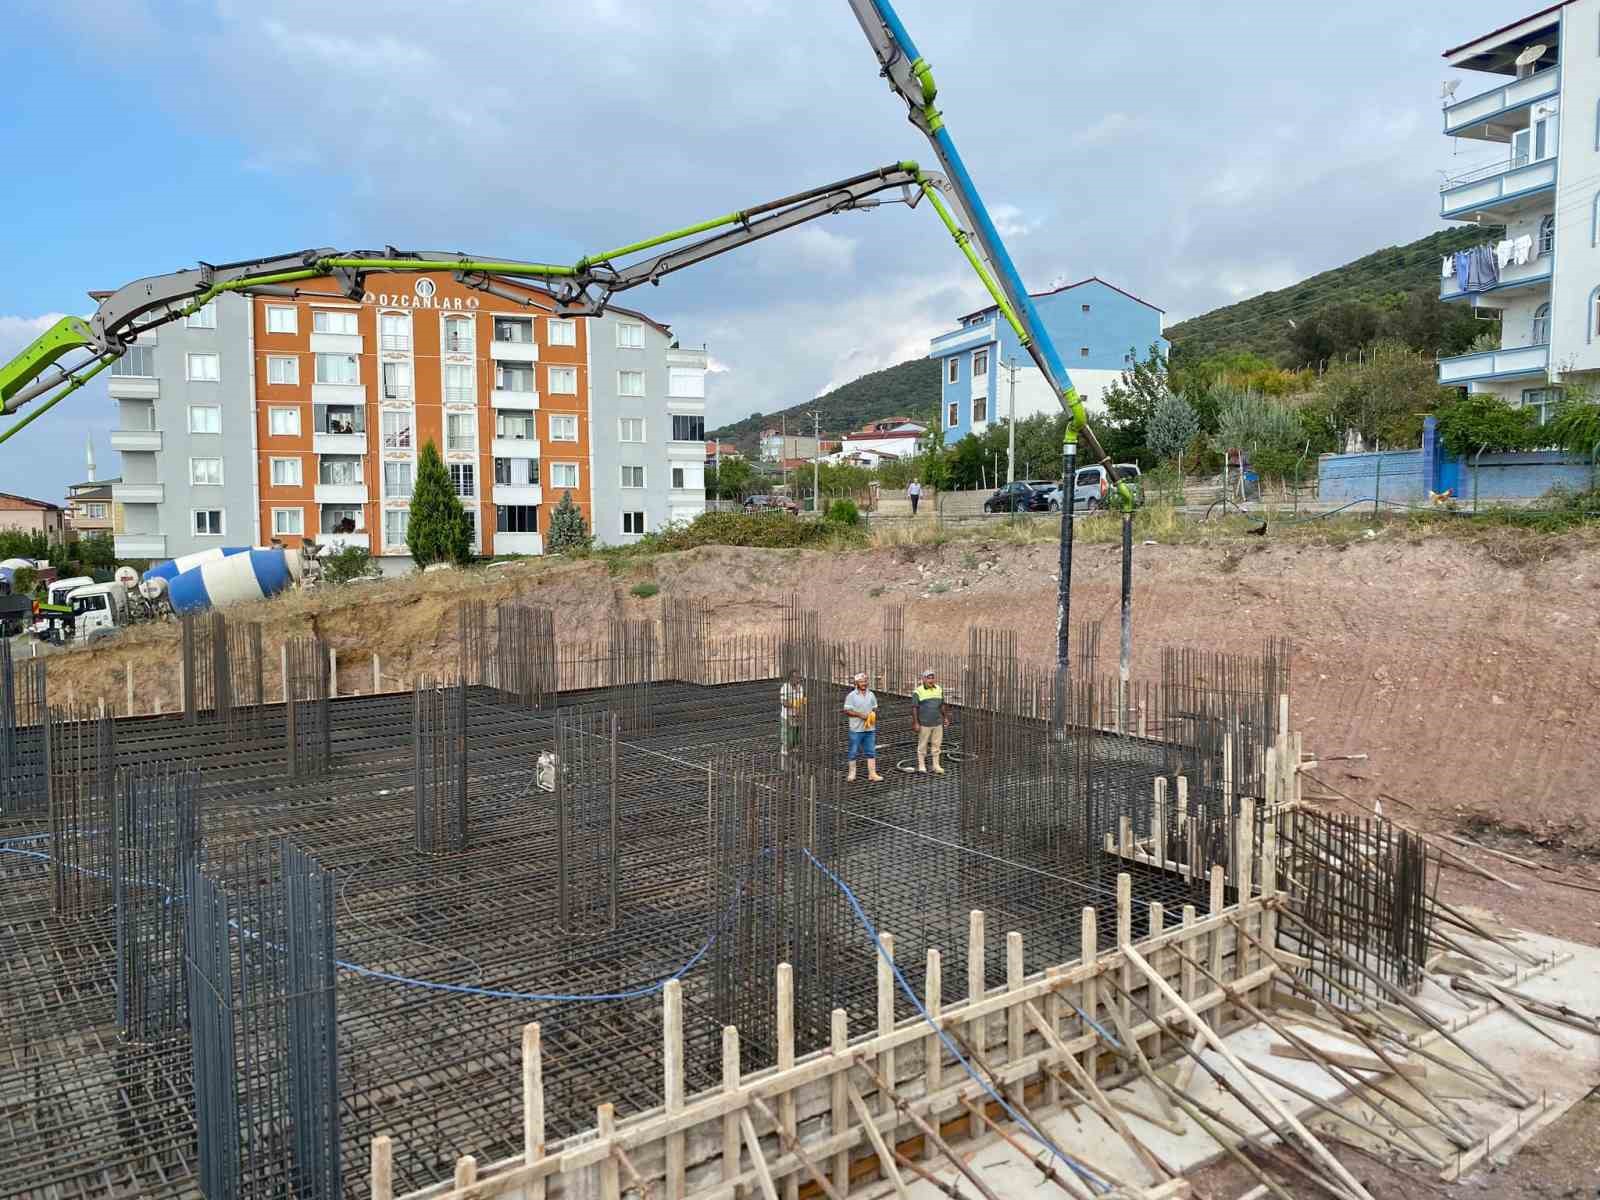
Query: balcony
point(504, 447)
point(1517, 362)
point(339, 393)
point(139, 545)
point(135, 440)
point(339, 443)
point(336, 343)
point(343, 541)
point(967, 338)
point(1470, 117)
point(1496, 186)
point(501, 398)
point(340, 493)
point(133, 387)
point(138, 493)
point(510, 493)
point(519, 543)
point(1531, 274)
point(514, 351)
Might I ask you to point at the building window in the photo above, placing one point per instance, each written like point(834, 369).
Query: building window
point(1547, 234)
point(286, 472)
point(564, 381)
point(1085, 308)
point(208, 522)
point(283, 368)
point(340, 470)
point(1083, 352)
point(396, 430)
point(563, 427)
point(464, 478)
point(205, 418)
point(341, 520)
point(138, 361)
point(630, 335)
point(630, 383)
point(980, 363)
point(688, 429)
point(513, 377)
point(472, 522)
point(516, 518)
point(633, 522)
point(343, 419)
point(458, 384)
point(980, 409)
point(686, 382)
point(514, 424)
point(1541, 326)
point(205, 472)
point(288, 521)
point(325, 320)
point(564, 475)
point(395, 523)
point(518, 330)
point(952, 369)
point(338, 368)
point(283, 422)
point(203, 368)
point(282, 318)
point(396, 381)
point(394, 331)
point(94, 512)
point(632, 477)
point(458, 335)
point(396, 480)
point(952, 417)
point(516, 472)
point(461, 431)
point(206, 318)
point(630, 429)
point(1543, 401)
point(677, 477)
point(561, 332)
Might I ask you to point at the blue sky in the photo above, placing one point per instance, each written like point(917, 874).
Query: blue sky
point(1192, 154)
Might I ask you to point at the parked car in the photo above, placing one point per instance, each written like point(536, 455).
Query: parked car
point(770, 504)
point(1017, 496)
point(1093, 486)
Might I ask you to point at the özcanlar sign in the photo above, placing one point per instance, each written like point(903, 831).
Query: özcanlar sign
point(423, 297)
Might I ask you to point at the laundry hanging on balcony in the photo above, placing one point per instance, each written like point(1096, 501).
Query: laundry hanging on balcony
point(1502, 253)
point(1481, 271)
point(1522, 249)
point(1462, 261)
point(1449, 269)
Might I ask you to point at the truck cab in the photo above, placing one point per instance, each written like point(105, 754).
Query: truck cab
point(99, 609)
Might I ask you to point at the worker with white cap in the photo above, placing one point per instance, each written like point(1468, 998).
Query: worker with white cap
point(861, 707)
point(928, 719)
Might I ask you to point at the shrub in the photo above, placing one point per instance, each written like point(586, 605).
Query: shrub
point(645, 589)
point(1484, 422)
point(747, 529)
point(439, 530)
point(568, 533)
point(844, 512)
point(1575, 427)
point(353, 562)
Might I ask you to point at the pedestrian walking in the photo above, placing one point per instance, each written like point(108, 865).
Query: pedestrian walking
point(861, 707)
point(791, 707)
point(928, 718)
point(914, 492)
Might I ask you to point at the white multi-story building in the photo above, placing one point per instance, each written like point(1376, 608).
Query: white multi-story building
point(1540, 179)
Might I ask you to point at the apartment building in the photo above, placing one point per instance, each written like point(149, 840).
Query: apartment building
point(302, 419)
point(1518, 164)
point(1098, 330)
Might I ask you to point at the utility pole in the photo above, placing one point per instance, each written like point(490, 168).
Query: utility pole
point(1011, 421)
point(816, 457)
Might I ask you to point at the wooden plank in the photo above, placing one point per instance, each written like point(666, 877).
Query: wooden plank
point(1125, 935)
point(466, 1171)
point(1350, 1062)
point(1014, 1027)
point(891, 1170)
point(382, 1167)
point(885, 995)
point(1088, 950)
point(975, 990)
point(753, 1143)
point(730, 1086)
point(1517, 1129)
point(932, 999)
point(927, 1130)
point(840, 1100)
point(793, 1146)
point(605, 1128)
point(533, 1133)
point(673, 1080)
point(786, 1102)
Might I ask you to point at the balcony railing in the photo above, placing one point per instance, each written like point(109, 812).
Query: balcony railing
point(1488, 105)
point(459, 343)
point(1493, 183)
point(1494, 364)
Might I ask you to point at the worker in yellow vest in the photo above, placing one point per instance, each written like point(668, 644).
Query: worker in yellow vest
point(928, 718)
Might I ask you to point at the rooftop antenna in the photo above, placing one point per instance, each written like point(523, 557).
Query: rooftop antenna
point(1528, 57)
point(1447, 91)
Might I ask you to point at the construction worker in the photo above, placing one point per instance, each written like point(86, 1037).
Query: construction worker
point(861, 707)
point(928, 718)
point(791, 708)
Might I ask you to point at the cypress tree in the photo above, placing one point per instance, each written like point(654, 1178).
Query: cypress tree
point(439, 530)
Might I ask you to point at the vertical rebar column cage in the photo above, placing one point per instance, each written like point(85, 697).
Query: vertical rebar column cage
point(472, 627)
point(525, 654)
point(81, 751)
point(157, 838)
point(24, 786)
point(260, 951)
point(586, 814)
point(239, 677)
point(307, 735)
point(439, 771)
point(631, 668)
point(686, 630)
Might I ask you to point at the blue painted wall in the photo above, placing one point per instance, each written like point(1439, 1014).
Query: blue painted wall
point(1406, 476)
point(1392, 475)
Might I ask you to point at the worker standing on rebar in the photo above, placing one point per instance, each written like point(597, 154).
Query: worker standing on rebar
point(928, 719)
point(861, 707)
point(791, 708)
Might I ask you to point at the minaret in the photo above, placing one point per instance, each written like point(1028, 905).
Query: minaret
point(89, 454)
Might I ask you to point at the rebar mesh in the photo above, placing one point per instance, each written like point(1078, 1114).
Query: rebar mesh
point(439, 748)
point(157, 839)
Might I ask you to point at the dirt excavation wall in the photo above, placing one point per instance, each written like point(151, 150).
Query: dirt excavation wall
point(1471, 686)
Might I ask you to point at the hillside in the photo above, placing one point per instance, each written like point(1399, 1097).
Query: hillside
point(1261, 323)
point(906, 389)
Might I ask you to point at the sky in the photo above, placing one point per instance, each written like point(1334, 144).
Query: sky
point(1191, 154)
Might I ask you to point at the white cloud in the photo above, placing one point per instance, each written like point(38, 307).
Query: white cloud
point(1108, 128)
point(1011, 222)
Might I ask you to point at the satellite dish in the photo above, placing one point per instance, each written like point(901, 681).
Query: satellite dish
point(1447, 89)
point(1531, 55)
point(126, 576)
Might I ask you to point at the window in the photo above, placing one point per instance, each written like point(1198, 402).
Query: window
point(516, 518)
point(396, 430)
point(458, 335)
point(139, 361)
point(205, 418)
point(677, 477)
point(630, 429)
point(632, 477)
point(282, 318)
point(337, 368)
point(562, 333)
point(980, 408)
point(980, 363)
point(395, 523)
point(563, 427)
point(94, 512)
point(514, 329)
point(396, 480)
point(952, 369)
point(952, 418)
point(206, 318)
point(206, 472)
point(516, 472)
point(564, 381)
point(208, 522)
point(458, 385)
point(461, 431)
point(564, 475)
point(688, 429)
point(1085, 308)
point(203, 368)
point(325, 320)
point(1083, 352)
point(1547, 235)
point(513, 377)
point(343, 419)
point(283, 422)
point(394, 331)
point(342, 470)
point(472, 522)
point(633, 522)
point(396, 381)
point(514, 424)
point(463, 477)
point(286, 472)
point(288, 521)
point(630, 335)
point(687, 382)
point(341, 520)
point(1541, 326)
point(630, 383)
point(283, 368)
point(1543, 401)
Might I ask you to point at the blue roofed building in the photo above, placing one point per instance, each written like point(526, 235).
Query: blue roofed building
point(1098, 329)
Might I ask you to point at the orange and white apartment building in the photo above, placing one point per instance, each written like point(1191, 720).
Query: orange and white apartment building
point(302, 419)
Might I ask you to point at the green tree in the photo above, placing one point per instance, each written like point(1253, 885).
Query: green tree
point(1575, 426)
point(730, 481)
point(1257, 425)
point(14, 543)
point(97, 551)
point(1484, 422)
point(1172, 426)
point(567, 530)
point(1384, 396)
point(1131, 401)
point(439, 530)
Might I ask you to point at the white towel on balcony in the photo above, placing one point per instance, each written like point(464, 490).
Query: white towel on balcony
point(1502, 253)
point(1522, 249)
point(1449, 267)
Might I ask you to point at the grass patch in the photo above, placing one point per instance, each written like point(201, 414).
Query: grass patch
point(938, 589)
point(644, 589)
